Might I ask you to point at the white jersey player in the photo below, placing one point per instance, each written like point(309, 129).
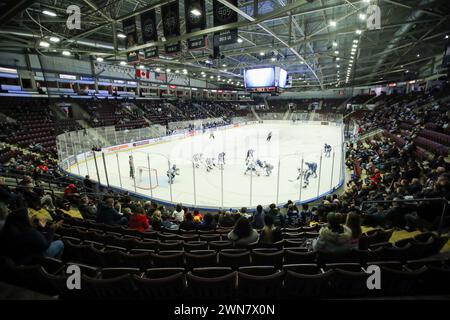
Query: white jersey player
point(221, 159)
point(172, 172)
point(209, 163)
point(250, 154)
point(197, 159)
point(268, 168)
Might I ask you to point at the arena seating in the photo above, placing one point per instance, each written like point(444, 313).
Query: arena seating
point(118, 262)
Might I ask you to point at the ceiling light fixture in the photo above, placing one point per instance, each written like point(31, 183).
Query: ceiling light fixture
point(49, 13)
point(196, 12)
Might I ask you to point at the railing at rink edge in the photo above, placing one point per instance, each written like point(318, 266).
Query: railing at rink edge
point(71, 166)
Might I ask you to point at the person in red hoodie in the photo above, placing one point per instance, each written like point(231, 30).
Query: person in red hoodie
point(376, 178)
point(71, 194)
point(138, 220)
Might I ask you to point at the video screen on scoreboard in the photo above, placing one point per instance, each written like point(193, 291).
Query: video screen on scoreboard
point(282, 78)
point(261, 77)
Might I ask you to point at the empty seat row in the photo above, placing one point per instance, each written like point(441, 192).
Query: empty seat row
point(247, 283)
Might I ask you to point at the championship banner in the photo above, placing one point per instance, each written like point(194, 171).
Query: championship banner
point(224, 15)
point(195, 19)
point(129, 29)
point(149, 33)
point(170, 16)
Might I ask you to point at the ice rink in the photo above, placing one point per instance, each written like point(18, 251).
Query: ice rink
point(229, 188)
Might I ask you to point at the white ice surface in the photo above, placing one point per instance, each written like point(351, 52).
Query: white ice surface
point(290, 143)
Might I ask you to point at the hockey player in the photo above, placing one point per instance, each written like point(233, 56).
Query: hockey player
point(260, 164)
point(209, 162)
point(268, 167)
point(250, 154)
point(269, 136)
point(221, 159)
point(197, 159)
point(327, 150)
point(312, 166)
point(131, 163)
point(211, 135)
point(306, 177)
point(172, 172)
point(252, 167)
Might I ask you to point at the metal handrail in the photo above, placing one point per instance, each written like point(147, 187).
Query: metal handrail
point(443, 200)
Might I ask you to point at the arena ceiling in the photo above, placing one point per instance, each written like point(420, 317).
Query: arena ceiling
point(321, 43)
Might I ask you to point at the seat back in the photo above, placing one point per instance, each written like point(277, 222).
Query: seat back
point(217, 289)
point(254, 287)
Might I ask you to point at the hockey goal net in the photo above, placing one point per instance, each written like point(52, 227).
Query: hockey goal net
point(146, 179)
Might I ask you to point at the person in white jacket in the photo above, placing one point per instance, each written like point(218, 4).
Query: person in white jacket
point(178, 213)
point(335, 237)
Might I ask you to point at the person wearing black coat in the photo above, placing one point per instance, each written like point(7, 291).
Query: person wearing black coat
point(20, 241)
point(188, 223)
point(108, 215)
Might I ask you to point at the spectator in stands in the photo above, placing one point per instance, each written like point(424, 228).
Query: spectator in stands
point(258, 218)
point(188, 222)
point(208, 223)
point(198, 217)
point(106, 213)
point(138, 220)
point(156, 220)
point(71, 194)
point(354, 224)
point(226, 220)
point(243, 234)
point(21, 241)
point(292, 214)
point(270, 234)
point(88, 184)
point(178, 213)
point(25, 188)
point(4, 212)
point(87, 209)
point(305, 214)
point(335, 237)
point(276, 215)
point(6, 195)
point(167, 224)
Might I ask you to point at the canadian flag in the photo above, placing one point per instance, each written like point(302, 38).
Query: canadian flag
point(142, 73)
